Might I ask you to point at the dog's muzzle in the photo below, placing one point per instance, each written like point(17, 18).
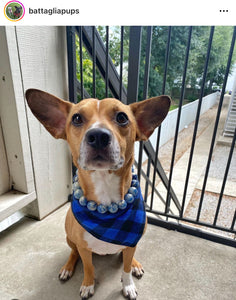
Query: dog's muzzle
point(100, 150)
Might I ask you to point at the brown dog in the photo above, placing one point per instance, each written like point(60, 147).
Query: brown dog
point(101, 136)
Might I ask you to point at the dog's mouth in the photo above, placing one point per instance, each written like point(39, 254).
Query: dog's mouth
point(99, 158)
point(101, 161)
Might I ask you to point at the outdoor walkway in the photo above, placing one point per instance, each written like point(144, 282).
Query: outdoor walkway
point(177, 266)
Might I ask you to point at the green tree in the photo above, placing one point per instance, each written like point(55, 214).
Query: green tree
point(219, 56)
point(198, 50)
point(179, 38)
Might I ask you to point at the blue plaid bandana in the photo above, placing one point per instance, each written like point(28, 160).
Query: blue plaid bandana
point(125, 227)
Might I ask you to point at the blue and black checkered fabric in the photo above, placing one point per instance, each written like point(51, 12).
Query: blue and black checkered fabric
point(125, 227)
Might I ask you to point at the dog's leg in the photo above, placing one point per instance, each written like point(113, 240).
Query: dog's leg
point(129, 289)
point(87, 287)
point(137, 269)
point(67, 270)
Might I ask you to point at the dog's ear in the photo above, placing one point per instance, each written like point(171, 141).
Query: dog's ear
point(149, 114)
point(51, 111)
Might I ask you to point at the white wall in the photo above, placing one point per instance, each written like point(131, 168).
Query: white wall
point(38, 59)
point(43, 56)
point(13, 114)
point(188, 115)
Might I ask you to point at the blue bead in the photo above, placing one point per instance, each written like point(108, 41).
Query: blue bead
point(135, 183)
point(78, 193)
point(133, 191)
point(129, 198)
point(122, 204)
point(102, 209)
point(75, 185)
point(92, 205)
point(75, 179)
point(113, 208)
point(135, 177)
point(83, 201)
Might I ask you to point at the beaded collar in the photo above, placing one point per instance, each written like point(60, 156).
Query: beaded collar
point(113, 207)
point(119, 223)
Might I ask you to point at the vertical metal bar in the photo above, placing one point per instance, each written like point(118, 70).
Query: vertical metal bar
point(147, 62)
point(145, 88)
point(225, 177)
point(133, 70)
point(148, 174)
point(121, 59)
point(71, 63)
point(216, 123)
point(134, 59)
point(164, 82)
point(234, 220)
point(159, 129)
point(166, 60)
point(197, 119)
point(81, 61)
point(168, 198)
point(154, 175)
point(107, 62)
point(94, 62)
point(140, 157)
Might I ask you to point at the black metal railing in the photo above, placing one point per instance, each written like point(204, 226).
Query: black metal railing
point(97, 48)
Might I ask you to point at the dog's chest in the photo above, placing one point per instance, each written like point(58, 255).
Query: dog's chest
point(106, 187)
point(107, 190)
point(100, 247)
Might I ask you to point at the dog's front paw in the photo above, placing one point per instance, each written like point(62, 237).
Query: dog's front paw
point(86, 291)
point(137, 269)
point(137, 272)
point(65, 274)
point(130, 292)
point(129, 288)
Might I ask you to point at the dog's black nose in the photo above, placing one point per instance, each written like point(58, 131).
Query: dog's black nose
point(98, 138)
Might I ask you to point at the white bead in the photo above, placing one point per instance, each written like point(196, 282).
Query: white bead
point(129, 198)
point(132, 190)
point(83, 201)
point(113, 208)
point(75, 185)
point(102, 209)
point(122, 204)
point(92, 205)
point(78, 193)
point(135, 183)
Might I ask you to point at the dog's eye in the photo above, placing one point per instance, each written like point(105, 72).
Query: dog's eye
point(77, 120)
point(122, 119)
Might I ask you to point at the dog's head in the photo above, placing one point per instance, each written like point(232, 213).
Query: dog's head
point(101, 134)
point(18, 9)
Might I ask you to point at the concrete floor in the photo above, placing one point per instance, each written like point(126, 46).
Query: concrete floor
point(177, 266)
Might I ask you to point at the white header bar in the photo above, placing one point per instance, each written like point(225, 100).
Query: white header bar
point(119, 12)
